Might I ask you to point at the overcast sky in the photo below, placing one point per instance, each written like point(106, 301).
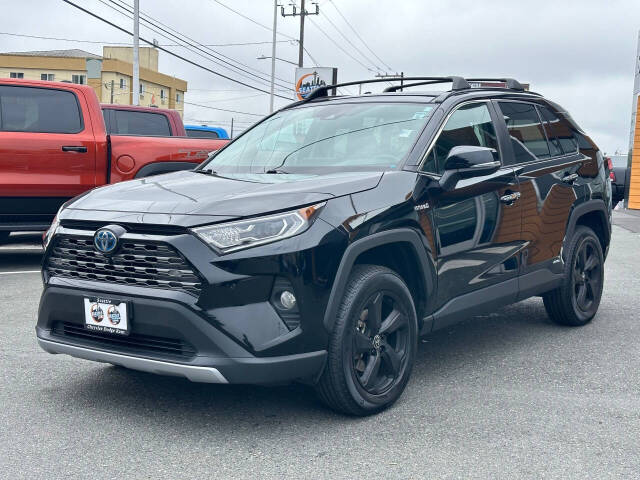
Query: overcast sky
point(580, 54)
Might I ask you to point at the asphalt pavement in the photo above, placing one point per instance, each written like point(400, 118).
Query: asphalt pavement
point(507, 395)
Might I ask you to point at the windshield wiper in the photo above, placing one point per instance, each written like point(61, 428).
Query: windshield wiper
point(276, 171)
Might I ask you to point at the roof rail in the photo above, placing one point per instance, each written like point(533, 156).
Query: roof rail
point(458, 83)
point(511, 83)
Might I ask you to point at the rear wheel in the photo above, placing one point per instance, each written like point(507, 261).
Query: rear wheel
point(373, 344)
point(577, 300)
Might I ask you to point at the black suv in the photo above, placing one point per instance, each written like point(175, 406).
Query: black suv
point(321, 243)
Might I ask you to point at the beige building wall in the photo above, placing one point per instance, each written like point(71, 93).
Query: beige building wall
point(34, 73)
point(148, 56)
point(163, 91)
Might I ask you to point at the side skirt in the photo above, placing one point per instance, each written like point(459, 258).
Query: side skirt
point(491, 298)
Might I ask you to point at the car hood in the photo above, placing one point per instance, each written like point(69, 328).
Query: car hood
point(210, 198)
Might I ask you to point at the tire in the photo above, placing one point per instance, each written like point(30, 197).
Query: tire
point(370, 355)
point(4, 237)
point(576, 301)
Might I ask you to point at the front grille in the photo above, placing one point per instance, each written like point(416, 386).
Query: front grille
point(134, 341)
point(139, 263)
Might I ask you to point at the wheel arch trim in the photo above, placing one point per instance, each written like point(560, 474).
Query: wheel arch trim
point(354, 250)
point(164, 167)
point(579, 211)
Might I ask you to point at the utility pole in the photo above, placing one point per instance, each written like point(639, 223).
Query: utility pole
point(392, 77)
point(273, 54)
point(231, 133)
point(112, 83)
point(136, 52)
point(302, 13)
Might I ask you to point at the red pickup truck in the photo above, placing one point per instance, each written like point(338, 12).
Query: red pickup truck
point(54, 145)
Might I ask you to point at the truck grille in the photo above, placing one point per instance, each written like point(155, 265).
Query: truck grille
point(138, 342)
point(138, 263)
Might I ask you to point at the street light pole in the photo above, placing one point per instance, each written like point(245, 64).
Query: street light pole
point(136, 52)
point(273, 54)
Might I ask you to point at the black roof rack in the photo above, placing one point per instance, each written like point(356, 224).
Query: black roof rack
point(511, 83)
point(458, 83)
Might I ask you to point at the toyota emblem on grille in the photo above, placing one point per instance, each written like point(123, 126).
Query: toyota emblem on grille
point(105, 241)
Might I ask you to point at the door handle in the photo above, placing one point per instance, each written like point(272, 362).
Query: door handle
point(570, 178)
point(72, 148)
point(510, 198)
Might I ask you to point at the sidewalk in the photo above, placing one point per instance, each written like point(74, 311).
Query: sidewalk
point(627, 219)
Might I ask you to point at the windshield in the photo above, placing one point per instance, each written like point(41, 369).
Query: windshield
point(321, 138)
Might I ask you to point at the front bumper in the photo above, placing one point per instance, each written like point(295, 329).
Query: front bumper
point(167, 337)
point(237, 370)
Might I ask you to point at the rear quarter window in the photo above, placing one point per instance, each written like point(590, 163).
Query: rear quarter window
point(525, 130)
point(39, 110)
point(146, 124)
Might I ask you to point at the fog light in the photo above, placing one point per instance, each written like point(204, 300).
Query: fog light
point(287, 299)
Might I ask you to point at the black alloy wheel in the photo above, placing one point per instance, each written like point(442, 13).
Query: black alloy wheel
point(380, 343)
point(373, 344)
point(575, 302)
point(587, 275)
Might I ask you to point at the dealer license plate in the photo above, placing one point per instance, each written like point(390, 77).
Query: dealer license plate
point(105, 315)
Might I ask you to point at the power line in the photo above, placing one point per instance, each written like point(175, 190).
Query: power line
point(252, 20)
point(358, 35)
point(246, 74)
point(224, 109)
point(24, 35)
point(149, 17)
point(352, 44)
point(338, 45)
point(226, 77)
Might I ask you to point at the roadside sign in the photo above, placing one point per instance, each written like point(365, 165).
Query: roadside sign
point(308, 79)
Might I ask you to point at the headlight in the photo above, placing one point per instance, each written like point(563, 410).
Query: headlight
point(227, 237)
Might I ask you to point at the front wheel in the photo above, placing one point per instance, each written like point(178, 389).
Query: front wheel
point(373, 344)
point(576, 301)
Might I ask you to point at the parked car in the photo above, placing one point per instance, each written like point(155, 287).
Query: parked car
point(323, 256)
point(54, 146)
point(620, 174)
point(142, 121)
point(204, 131)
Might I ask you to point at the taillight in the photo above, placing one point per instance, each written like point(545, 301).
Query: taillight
point(609, 163)
point(612, 176)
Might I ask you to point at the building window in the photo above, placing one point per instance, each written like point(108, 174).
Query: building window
point(177, 97)
point(141, 88)
point(47, 76)
point(79, 79)
point(162, 94)
point(16, 75)
point(123, 84)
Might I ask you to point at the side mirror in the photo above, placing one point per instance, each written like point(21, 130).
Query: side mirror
point(467, 162)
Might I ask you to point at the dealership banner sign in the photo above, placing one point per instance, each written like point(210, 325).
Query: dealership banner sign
point(308, 79)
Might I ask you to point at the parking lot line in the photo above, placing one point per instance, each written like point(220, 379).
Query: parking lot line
point(20, 271)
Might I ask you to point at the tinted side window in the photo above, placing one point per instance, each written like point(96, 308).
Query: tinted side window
point(469, 125)
point(39, 110)
point(527, 136)
point(202, 134)
point(553, 129)
point(128, 122)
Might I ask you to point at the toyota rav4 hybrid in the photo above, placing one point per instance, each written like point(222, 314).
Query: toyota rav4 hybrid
point(323, 242)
